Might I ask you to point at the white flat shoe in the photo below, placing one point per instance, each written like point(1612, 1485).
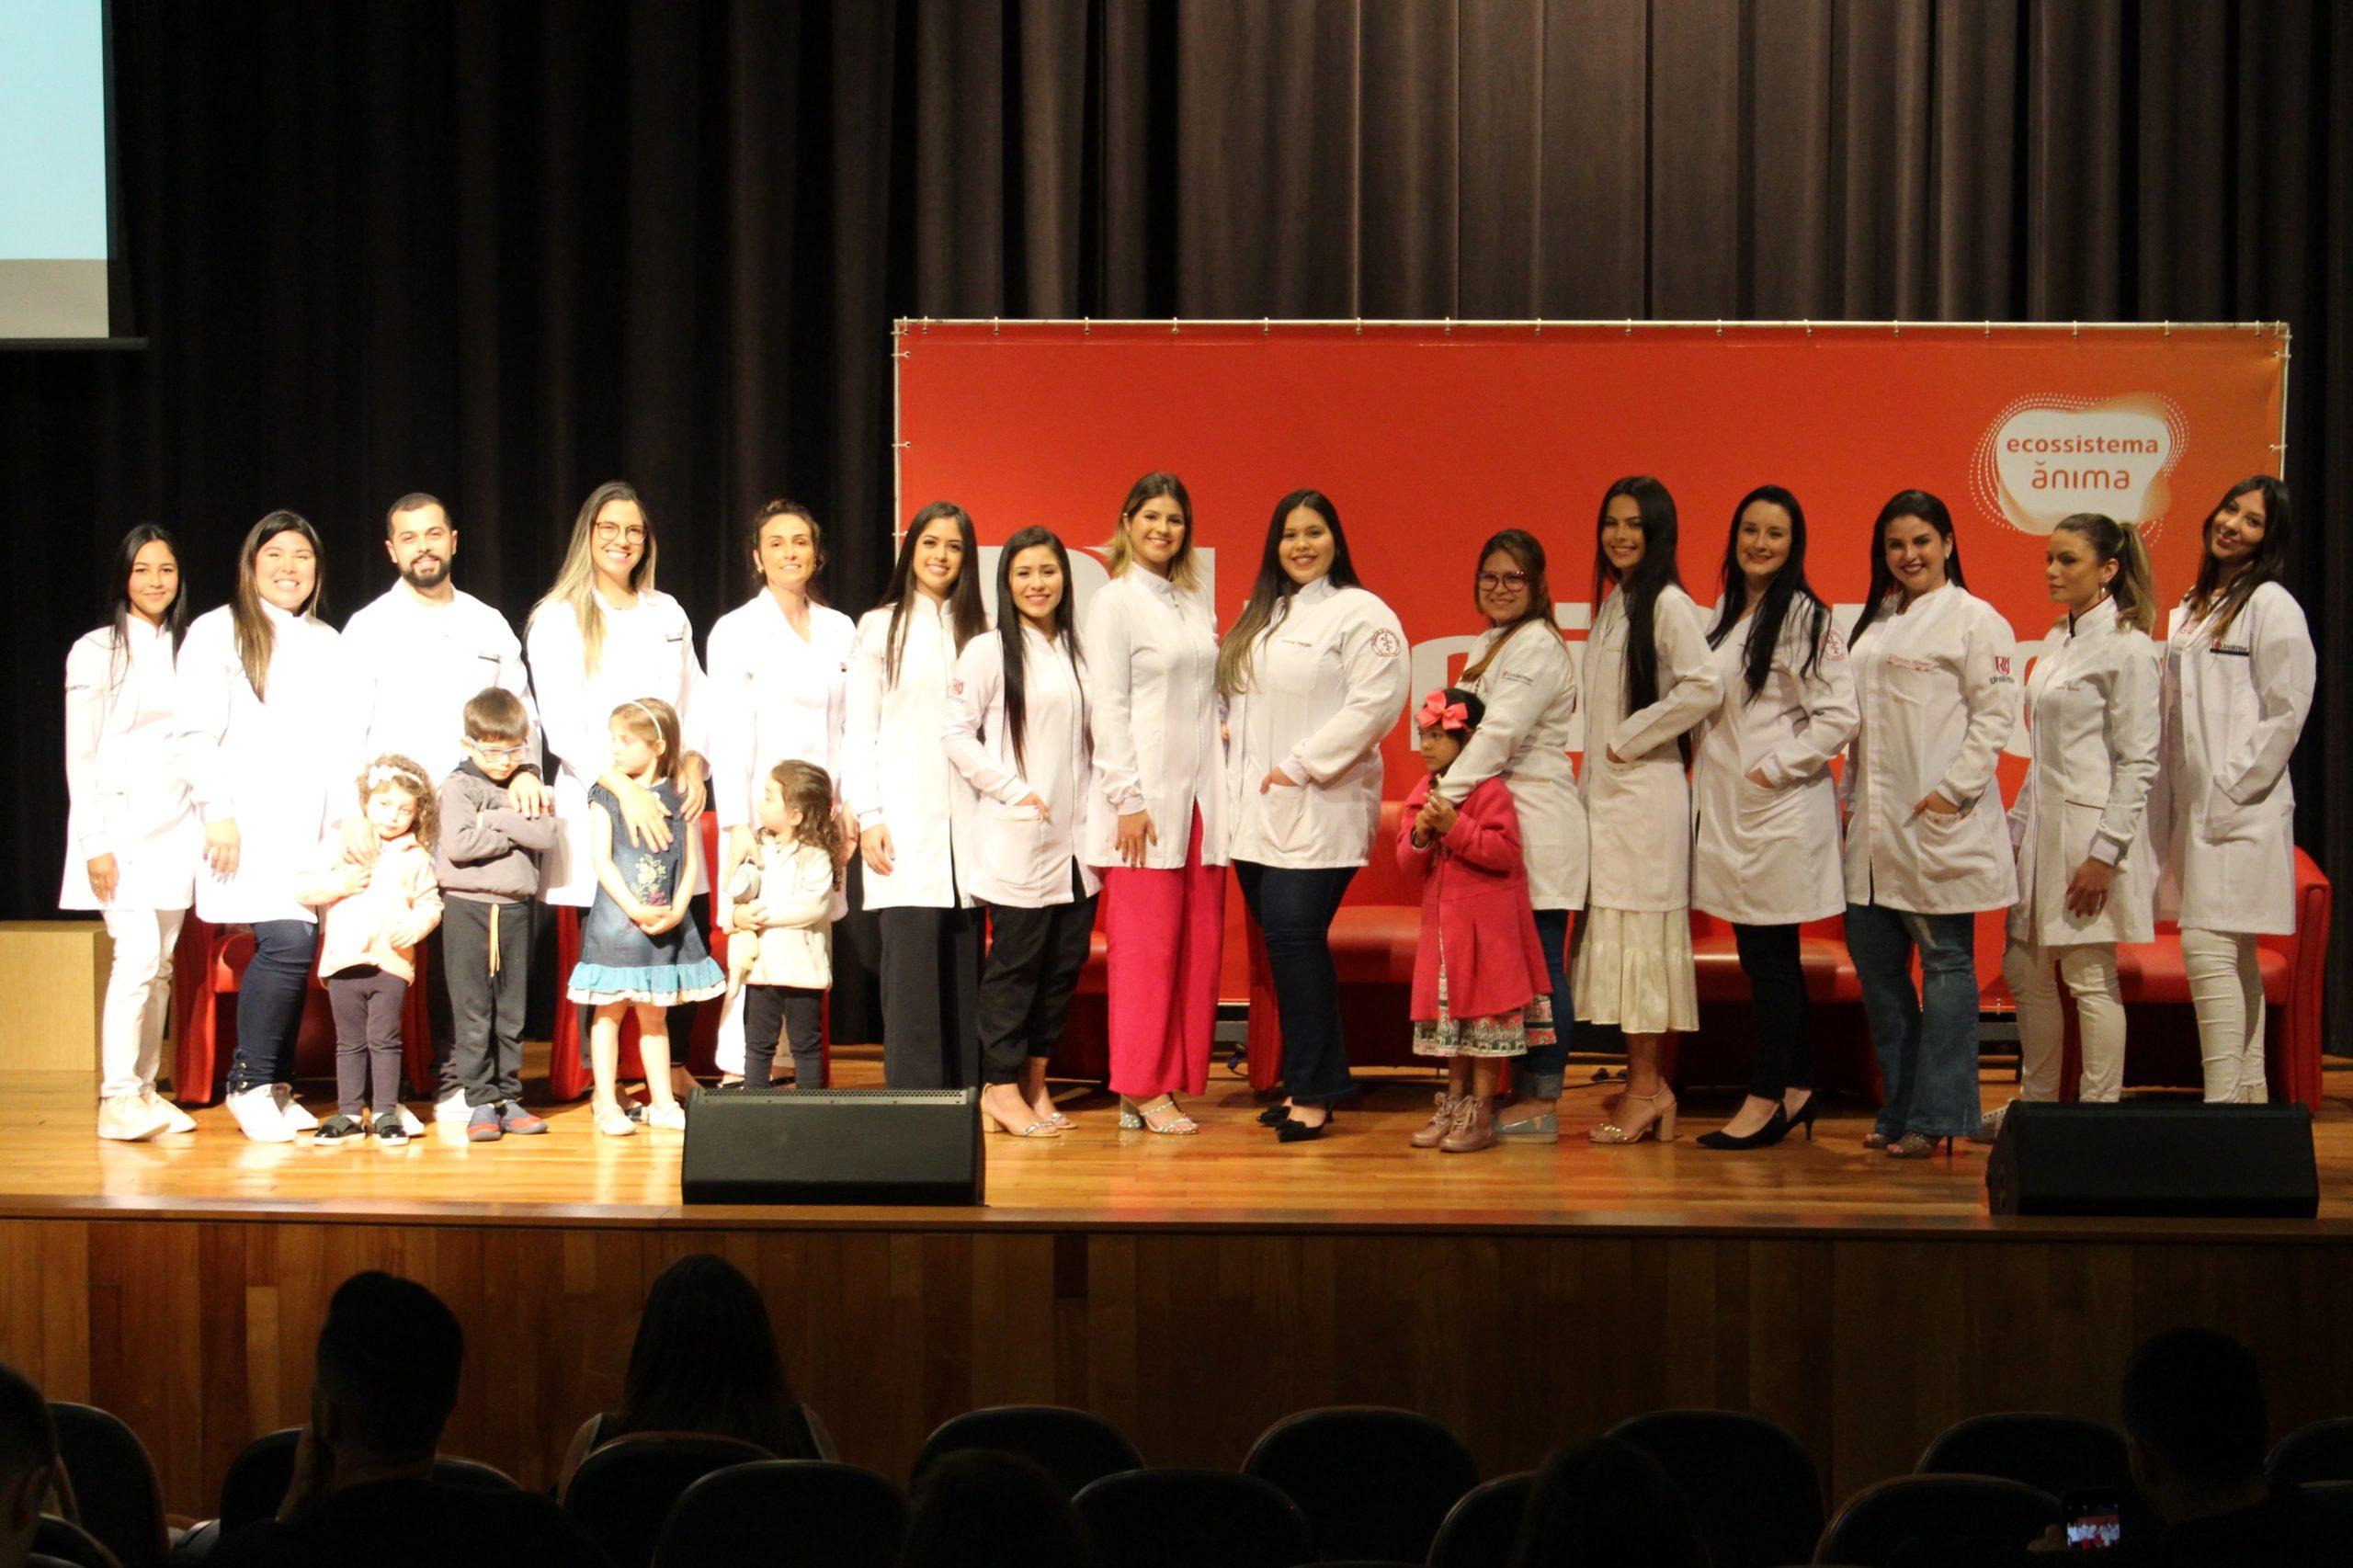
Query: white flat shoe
point(613, 1124)
point(297, 1119)
point(672, 1116)
point(258, 1116)
point(175, 1119)
point(127, 1119)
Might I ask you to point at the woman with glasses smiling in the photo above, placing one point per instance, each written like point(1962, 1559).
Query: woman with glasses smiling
point(604, 635)
point(1521, 669)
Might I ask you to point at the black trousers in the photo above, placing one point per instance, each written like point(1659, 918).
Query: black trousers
point(797, 1013)
point(931, 983)
point(487, 1003)
point(367, 1005)
point(1784, 1055)
point(1034, 959)
point(1293, 909)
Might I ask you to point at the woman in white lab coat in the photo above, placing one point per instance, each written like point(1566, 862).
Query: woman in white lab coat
point(1925, 846)
point(264, 733)
point(2237, 684)
point(1315, 674)
point(602, 636)
point(1764, 840)
point(1648, 677)
point(132, 836)
point(1157, 827)
point(912, 821)
point(776, 692)
point(1016, 733)
point(1522, 670)
point(2084, 869)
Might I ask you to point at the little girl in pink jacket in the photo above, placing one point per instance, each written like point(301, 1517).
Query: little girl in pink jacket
point(371, 917)
point(1480, 982)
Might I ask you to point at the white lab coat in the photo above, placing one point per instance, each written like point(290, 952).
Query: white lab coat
point(1939, 699)
point(414, 666)
point(1531, 690)
point(774, 696)
point(281, 768)
point(2223, 812)
point(2091, 707)
point(1021, 860)
point(1769, 856)
point(1154, 712)
point(125, 795)
point(1639, 812)
point(897, 773)
point(1327, 681)
point(649, 650)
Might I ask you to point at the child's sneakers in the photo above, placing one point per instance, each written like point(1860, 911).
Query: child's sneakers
point(390, 1130)
point(337, 1128)
point(481, 1126)
point(513, 1117)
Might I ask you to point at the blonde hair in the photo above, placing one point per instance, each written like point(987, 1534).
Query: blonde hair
point(2135, 587)
point(1183, 567)
point(655, 722)
point(808, 789)
point(576, 584)
point(408, 778)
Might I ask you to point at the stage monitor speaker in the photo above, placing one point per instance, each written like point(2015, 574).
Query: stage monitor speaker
point(833, 1146)
point(2151, 1157)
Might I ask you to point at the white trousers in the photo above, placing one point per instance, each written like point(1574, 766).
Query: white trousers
point(2089, 969)
point(139, 990)
point(2226, 987)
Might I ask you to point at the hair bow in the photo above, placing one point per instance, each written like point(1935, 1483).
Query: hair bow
point(1437, 712)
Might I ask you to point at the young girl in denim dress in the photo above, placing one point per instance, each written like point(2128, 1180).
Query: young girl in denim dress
point(638, 949)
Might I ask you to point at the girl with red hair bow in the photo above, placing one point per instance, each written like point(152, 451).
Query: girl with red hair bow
point(1480, 979)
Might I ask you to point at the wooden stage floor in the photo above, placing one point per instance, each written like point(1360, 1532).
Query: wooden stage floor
point(1192, 1290)
point(1230, 1175)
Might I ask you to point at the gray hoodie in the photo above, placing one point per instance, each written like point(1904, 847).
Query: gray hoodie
point(488, 851)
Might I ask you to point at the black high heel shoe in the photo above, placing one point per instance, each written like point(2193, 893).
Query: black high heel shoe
point(1274, 1115)
point(1776, 1128)
point(1804, 1115)
point(1299, 1132)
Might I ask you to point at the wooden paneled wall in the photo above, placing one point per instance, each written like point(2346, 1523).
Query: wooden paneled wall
point(200, 1332)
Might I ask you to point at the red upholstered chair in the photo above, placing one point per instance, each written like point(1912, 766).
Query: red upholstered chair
point(209, 966)
point(568, 1074)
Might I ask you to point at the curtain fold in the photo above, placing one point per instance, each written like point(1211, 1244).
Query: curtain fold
point(505, 252)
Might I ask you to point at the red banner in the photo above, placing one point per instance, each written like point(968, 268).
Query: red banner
point(1429, 437)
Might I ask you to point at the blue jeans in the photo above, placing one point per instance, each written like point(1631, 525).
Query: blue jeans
point(270, 996)
point(1294, 911)
point(1541, 1070)
point(1926, 1042)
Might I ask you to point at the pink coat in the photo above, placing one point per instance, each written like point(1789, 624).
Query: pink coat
point(1474, 893)
point(383, 921)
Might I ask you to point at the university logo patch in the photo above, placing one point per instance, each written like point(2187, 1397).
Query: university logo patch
point(1386, 644)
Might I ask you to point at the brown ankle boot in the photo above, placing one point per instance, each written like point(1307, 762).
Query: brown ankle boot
point(1474, 1127)
point(1442, 1122)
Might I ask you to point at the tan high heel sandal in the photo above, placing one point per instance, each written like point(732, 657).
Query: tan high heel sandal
point(1661, 1125)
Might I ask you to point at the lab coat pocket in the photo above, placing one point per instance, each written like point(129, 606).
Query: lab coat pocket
point(1014, 841)
point(1765, 809)
point(1952, 846)
point(1285, 817)
point(2224, 821)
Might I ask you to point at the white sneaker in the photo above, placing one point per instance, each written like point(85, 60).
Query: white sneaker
point(127, 1119)
point(258, 1117)
point(451, 1106)
point(410, 1125)
point(672, 1116)
point(175, 1119)
point(297, 1119)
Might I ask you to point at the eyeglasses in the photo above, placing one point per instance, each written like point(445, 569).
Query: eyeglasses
point(502, 753)
point(607, 532)
point(1493, 580)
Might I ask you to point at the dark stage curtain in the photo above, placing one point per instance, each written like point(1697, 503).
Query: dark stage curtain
point(503, 250)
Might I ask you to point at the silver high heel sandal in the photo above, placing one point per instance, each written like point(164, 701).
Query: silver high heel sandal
point(1134, 1117)
point(1661, 1125)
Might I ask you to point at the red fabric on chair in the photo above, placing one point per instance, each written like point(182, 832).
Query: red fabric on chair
point(209, 965)
point(568, 1074)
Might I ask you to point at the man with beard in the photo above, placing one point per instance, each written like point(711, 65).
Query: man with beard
point(415, 657)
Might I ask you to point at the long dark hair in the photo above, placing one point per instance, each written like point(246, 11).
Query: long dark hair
point(1270, 594)
point(118, 610)
point(1655, 572)
point(1525, 549)
point(2207, 594)
point(964, 607)
point(1009, 625)
point(1905, 503)
point(705, 1361)
point(1789, 587)
point(256, 642)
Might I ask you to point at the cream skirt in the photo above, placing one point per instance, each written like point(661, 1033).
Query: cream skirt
point(1632, 968)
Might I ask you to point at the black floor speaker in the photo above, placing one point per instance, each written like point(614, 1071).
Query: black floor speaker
point(833, 1146)
point(2152, 1157)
